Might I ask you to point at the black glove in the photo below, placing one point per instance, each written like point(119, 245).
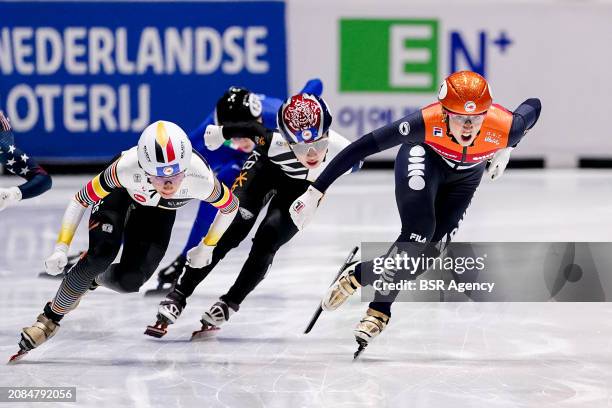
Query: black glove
point(248, 130)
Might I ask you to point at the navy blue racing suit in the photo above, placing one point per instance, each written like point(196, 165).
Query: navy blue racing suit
point(432, 190)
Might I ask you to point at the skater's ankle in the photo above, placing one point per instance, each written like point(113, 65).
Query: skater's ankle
point(94, 284)
point(178, 296)
point(50, 314)
point(381, 307)
point(233, 305)
point(358, 275)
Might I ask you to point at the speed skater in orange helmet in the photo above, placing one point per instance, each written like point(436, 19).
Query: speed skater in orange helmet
point(445, 148)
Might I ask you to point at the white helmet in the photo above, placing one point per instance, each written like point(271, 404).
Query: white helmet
point(164, 149)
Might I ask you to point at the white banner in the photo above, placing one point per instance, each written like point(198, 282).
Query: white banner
point(381, 60)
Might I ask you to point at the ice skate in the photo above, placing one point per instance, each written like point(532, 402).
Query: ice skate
point(206, 331)
point(168, 312)
point(167, 276)
point(344, 286)
point(344, 266)
point(31, 337)
point(218, 314)
point(372, 324)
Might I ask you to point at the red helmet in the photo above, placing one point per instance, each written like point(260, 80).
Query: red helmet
point(465, 93)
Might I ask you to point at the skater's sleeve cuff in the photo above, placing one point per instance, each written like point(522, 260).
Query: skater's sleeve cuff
point(70, 222)
point(99, 187)
point(223, 198)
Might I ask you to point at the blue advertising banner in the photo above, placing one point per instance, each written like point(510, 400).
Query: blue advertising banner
point(79, 81)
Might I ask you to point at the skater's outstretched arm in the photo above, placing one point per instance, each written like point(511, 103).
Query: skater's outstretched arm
point(270, 105)
point(410, 129)
point(18, 162)
point(227, 203)
point(95, 190)
point(215, 136)
point(524, 118)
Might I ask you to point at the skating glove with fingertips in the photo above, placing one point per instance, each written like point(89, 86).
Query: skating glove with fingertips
point(303, 209)
point(200, 256)
point(9, 197)
point(57, 261)
point(498, 163)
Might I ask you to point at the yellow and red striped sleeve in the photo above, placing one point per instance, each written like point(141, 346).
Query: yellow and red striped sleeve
point(95, 190)
point(227, 203)
point(222, 198)
point(99, 187)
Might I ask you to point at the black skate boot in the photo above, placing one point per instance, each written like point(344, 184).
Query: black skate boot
point(218, 314)
point(167, 276)
point(169, 310)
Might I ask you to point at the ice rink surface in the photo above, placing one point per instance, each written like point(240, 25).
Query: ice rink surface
point(430, 355)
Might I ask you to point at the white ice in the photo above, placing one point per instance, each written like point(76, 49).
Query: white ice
point(431, 354)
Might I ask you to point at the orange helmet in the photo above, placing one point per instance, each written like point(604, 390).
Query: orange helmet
point(466, 93)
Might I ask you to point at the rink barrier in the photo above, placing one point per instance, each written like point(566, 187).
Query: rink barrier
point(595, 163)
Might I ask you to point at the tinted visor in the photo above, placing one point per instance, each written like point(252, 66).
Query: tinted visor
point(302, 149)
point(160, 181)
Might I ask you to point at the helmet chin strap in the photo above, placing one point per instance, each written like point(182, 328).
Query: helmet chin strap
point(446, 121)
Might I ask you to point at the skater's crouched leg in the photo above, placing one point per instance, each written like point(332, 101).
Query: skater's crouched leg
point(145, 240)
point(104, 244)
point(131, 273)
point(275, 230)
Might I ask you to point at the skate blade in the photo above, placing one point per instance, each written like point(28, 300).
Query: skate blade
point(17, 356)
point(205, 333)
point(158, 330)
point(362, 345)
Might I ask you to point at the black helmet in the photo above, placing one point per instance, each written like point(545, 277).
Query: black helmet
point(237, 105)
